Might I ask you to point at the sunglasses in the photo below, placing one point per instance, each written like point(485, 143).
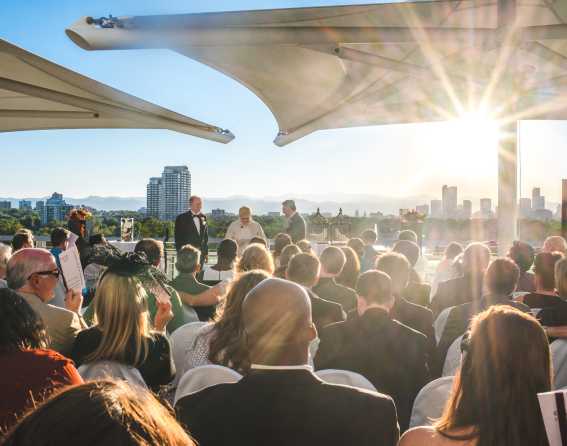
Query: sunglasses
point(55, 273)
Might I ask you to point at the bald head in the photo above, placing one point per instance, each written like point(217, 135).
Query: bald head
point(277, 321)
point(26, 262)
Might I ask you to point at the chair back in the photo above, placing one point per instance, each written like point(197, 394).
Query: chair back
point(453, 358)
point(559, 358)
point(345, 377)
point(440, 322)
point(182, 340)
point(114, 370)
point(200, 378)
point(430, 401)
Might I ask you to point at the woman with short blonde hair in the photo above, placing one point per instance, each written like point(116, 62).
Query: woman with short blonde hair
point(256, 256)
point(122, 331)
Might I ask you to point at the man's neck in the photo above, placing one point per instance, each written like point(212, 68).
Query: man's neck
point(289, 358)
point(325, 275)
point(375, 306)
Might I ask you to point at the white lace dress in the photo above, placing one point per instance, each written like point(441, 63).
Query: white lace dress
point(198, 352)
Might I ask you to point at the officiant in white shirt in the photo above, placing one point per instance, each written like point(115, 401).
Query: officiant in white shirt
point(244, 229)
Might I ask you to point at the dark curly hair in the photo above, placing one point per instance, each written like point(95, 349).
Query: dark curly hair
point(20, 327)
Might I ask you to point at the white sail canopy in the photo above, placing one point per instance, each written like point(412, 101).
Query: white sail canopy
point(36, 94)
point(344, 66)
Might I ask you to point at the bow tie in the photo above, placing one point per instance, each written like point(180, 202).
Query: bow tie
point(196, 215)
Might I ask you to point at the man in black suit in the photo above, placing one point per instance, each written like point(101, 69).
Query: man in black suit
point(296, 228)
point(414, 316)
point(280, 401)
point(304, 269)
point(466, 288)
point(191, 229)
point(391, 355)
point(332, 262)
point(417, 292)
point(501, 279)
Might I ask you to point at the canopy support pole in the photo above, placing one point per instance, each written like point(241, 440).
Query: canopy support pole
point(508, 187)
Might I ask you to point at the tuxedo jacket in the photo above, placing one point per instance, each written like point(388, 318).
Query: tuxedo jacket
point(288, 407)
point(324, 312)
point(389, 354)
point(456, 292)
point(186, 233)
point(297, 229)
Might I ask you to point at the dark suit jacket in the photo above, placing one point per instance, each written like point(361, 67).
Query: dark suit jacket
point(186, 233)
point(391, 355)
point(324, 312)
point(456, 292)
point(329, 289)
point(288, 407)
point(296, 229)
point(459, 319)
point(418, 293)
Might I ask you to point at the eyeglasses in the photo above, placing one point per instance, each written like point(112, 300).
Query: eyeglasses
point(55, 273)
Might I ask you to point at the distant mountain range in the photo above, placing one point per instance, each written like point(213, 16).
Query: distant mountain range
point(350, 203)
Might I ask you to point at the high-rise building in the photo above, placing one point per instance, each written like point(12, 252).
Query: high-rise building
point(25, 205)
point(538, 200)
point(5, 205)
point(467, 209)
point(153, 193)
point(525, 207)
point(450, 199)
point(54, 208)
point(176, 190)
point(485, 207)
point(436, 209)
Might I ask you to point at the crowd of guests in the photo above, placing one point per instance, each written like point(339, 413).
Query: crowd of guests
point(276, 318)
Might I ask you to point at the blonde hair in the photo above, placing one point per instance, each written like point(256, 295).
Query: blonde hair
point(561, 277)
point(256, 256)
point(121, 314)
point(244, 211)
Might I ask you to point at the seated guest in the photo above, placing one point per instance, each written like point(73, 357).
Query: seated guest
point(93, 271)
point(500, 280)
point(523, 254)
point(288, 252)
point(30, 371)
point(33, 273)
point(255, 257)
point(555, 315)
point(416, 291)
point(23, 238)
point(281, 401)
point(245, 229)
point(498, 382)
point(368, 260)
point(99, 413)
point(332, 262)
point(281, 240)
point(365, 345)
point(223, 343)
point(305, 246)
point(226, 258)
point(194, 294)
point(397, 267)
point(446, 269)
point(545, 294)
point(468, 287)
point(409, 235)
point(555, 243)
point(5, 254)
point(121, 330)
point(156, 285)
point(351, 270)
point(259, 241)
point(304, 270)
point(358, 246)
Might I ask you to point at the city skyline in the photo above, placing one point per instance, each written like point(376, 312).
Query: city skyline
point(396, 161)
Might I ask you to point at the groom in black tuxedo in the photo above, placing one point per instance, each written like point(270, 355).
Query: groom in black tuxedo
point(191, 229)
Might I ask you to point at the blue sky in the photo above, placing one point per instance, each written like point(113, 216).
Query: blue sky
point(403, 160)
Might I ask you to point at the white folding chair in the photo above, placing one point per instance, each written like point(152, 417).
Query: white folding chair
point(440, 322)
point(345, 377)
point(200, 378)
point(113, 370)
point(453, 358)
point(430, 401)
point(182, 340)
point(559, 358)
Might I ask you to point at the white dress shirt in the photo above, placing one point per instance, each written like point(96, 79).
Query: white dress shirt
point(197, 222)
